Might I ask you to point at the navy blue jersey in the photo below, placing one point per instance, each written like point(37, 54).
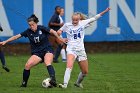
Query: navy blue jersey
point(55, 19)
point(39, 39)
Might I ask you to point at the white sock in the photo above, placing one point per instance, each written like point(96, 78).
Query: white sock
point(80, 78)
point(63, 54)
point(67, 76)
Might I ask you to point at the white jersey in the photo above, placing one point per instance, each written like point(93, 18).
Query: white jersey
point(75, 34)
point(61, 20)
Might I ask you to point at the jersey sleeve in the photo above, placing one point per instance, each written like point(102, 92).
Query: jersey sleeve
point(85, 23)
point(63, 28)
point(24, 34)
point(53, 19)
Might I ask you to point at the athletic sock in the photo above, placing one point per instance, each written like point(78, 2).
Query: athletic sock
point(51, 72)
point(80, 78)
point(26, 74)
point(57, 53)
point(67, 76)
point(2, 58)
point(63, 54)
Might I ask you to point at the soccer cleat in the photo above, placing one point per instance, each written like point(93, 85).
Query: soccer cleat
point(50, 86)
point(53, 83)
point(6, 69)
point(62, 86)
point(23, 85)
point(78, 85)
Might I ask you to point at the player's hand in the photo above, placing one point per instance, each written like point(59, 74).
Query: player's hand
point(107, 9)
point(59, 32)
point(65, 40)
point(2, 43)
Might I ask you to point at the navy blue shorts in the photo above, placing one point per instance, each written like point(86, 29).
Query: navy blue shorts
point(43, 53)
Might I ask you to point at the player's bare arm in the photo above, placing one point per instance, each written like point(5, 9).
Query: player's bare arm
point(96, 17)
point(10, 39)
point(59, 32)
point(56, 35)
point(105, 11)
point(56, 24)
point(101, 14)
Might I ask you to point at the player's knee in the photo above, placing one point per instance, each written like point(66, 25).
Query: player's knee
point(69, 64)
point(27, 66)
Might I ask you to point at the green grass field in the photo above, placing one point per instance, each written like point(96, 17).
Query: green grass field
point(108, 73)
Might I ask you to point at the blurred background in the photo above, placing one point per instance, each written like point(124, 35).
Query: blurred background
point(117, 31)
point(112, 44)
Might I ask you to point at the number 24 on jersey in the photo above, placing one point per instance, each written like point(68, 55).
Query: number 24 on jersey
point(77, 36)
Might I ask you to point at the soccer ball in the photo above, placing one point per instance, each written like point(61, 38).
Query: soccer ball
point(45, 83)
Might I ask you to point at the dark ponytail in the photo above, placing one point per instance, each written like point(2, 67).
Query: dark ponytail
point(33, 18)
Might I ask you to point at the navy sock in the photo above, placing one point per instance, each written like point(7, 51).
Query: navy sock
point(26, 74)
point(51, 72)
point(2, 58)
point(57, 53)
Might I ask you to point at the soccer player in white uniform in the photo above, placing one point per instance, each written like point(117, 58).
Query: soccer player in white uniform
point(75, 46)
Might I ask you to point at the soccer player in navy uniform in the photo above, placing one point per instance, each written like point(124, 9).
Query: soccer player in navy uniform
point(55, 24)
point(41, 49)
point(2, 57)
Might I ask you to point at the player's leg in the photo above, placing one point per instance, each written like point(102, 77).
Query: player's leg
point(48, 60)
point(70, 62)
point(84, 71)
point(2, 57)
point(52, 40)
point(32, 61)
point(58, 50)
point(63, 53)
point(83, 64)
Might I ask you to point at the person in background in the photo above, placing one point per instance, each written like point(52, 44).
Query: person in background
point(55, 24)
point(2, 57)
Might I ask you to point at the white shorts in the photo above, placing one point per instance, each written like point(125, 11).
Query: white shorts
point(79, 55)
